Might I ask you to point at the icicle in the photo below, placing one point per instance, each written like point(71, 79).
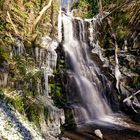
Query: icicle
point(125, 46)
point(48, 64)
point(117, 71)
point(36, 53)
point(83, 30)
point(3, 79)
point(60, 25)
point(11, 52)
point(91, 33)
point(46, 82)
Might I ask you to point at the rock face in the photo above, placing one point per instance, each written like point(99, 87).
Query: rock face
point(28, 78)
point(4, 71)
point(50, 128)
point(122, 62)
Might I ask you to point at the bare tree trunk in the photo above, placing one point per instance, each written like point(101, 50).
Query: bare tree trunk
point(100, 7)
point(52, 20)
point(41, 14)
point(10, 21)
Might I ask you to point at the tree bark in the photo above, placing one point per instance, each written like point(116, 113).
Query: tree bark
point(100, 7)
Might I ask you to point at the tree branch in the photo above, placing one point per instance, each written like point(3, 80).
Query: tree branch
point(116, 8)
point(10, 20)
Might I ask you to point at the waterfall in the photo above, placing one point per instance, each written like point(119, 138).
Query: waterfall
point(86, 82)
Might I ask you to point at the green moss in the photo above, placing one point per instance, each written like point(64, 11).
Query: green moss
point(35, 116)
point(7, 40)
point(8, 27)
point(29, 5)
point(1, 3)
point(2, 26)
point(19, 104)
point(4, 54)
point(121, 32)
point(29, 94)
point(134, 82)
point(70, 122)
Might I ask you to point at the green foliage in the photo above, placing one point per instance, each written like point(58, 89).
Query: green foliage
point(69, 122)
point(5, 37)
point(121, 32)
point(120, 24)
point(35, 117)
point(13, 99)
point(56, 93)
point(1, 3)
point(86, 8)
point(23, 73)
point(2, 26)
point(33, 112)
point(56, 82)
point(22, 17)
point(134, 82)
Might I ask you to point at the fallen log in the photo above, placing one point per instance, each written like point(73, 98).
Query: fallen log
point(128, 98)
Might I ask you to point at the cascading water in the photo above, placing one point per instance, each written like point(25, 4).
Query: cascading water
point(86, 81)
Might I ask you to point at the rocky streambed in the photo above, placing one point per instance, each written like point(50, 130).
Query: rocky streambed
point(109, 131)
